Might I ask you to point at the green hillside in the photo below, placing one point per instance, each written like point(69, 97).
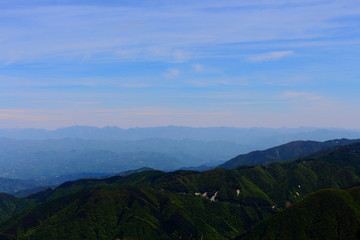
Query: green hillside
point(289, 151)
point(215, 204)
point(334, 168)
point(10, 205)
point(326, 214)
point(141, 213)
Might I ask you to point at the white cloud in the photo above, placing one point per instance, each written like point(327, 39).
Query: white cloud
point(154, 53)
point(181, 56)
point(198, 67)
point(172, 73)
point(269, 56)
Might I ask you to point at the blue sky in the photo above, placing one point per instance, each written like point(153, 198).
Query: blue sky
point(272, 63)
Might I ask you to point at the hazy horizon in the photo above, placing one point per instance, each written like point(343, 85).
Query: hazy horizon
point(271, 64)
point(180, 126)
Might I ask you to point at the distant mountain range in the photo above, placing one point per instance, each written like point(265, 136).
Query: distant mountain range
point(60, 164)
point(24, 187)
point(216, 204)
point(257, 138)
point(38, 153)
point(35, 159)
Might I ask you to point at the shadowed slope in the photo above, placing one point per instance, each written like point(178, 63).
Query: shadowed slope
point(326, 214)
point(10, 205)
point(141, 213)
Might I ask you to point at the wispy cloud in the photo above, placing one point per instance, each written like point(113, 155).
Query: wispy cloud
point(172, 73)
point(87, 103)
point(27, 115)
point(12, 110)
point(302, 95)
point(163, 53)
point(160, 111)
point(269, 56)
point(210, 82)
point(174, 32)
point(134, 85)
point(249, 103)
point(198, 67)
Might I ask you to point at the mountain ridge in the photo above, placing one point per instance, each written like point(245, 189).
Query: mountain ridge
point(285, 152)
point(269, 136)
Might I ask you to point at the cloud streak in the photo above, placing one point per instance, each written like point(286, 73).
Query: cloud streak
point(172, 73)
point(173, 32)
point(302, 95)
point(270, 56)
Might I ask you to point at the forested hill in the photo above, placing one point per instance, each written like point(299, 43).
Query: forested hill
point(215, 204)
point(325, 214)
point(289, 151)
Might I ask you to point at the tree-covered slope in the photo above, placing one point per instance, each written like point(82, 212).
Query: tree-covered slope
point(289, 151)
point(215, 204)
point(326, 214)
point(134, 213)
point(333, 168)
point(10, 205)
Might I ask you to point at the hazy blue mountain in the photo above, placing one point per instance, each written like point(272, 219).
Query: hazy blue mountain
point(256, 137)
point(52, 164)
point(283, 152)
point(314, 135)
point(50, 158)
point(24, 187)
point(29, 159)
point(129, 172)
point(16, 185)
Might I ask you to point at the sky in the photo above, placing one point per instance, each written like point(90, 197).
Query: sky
point(144, 63)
